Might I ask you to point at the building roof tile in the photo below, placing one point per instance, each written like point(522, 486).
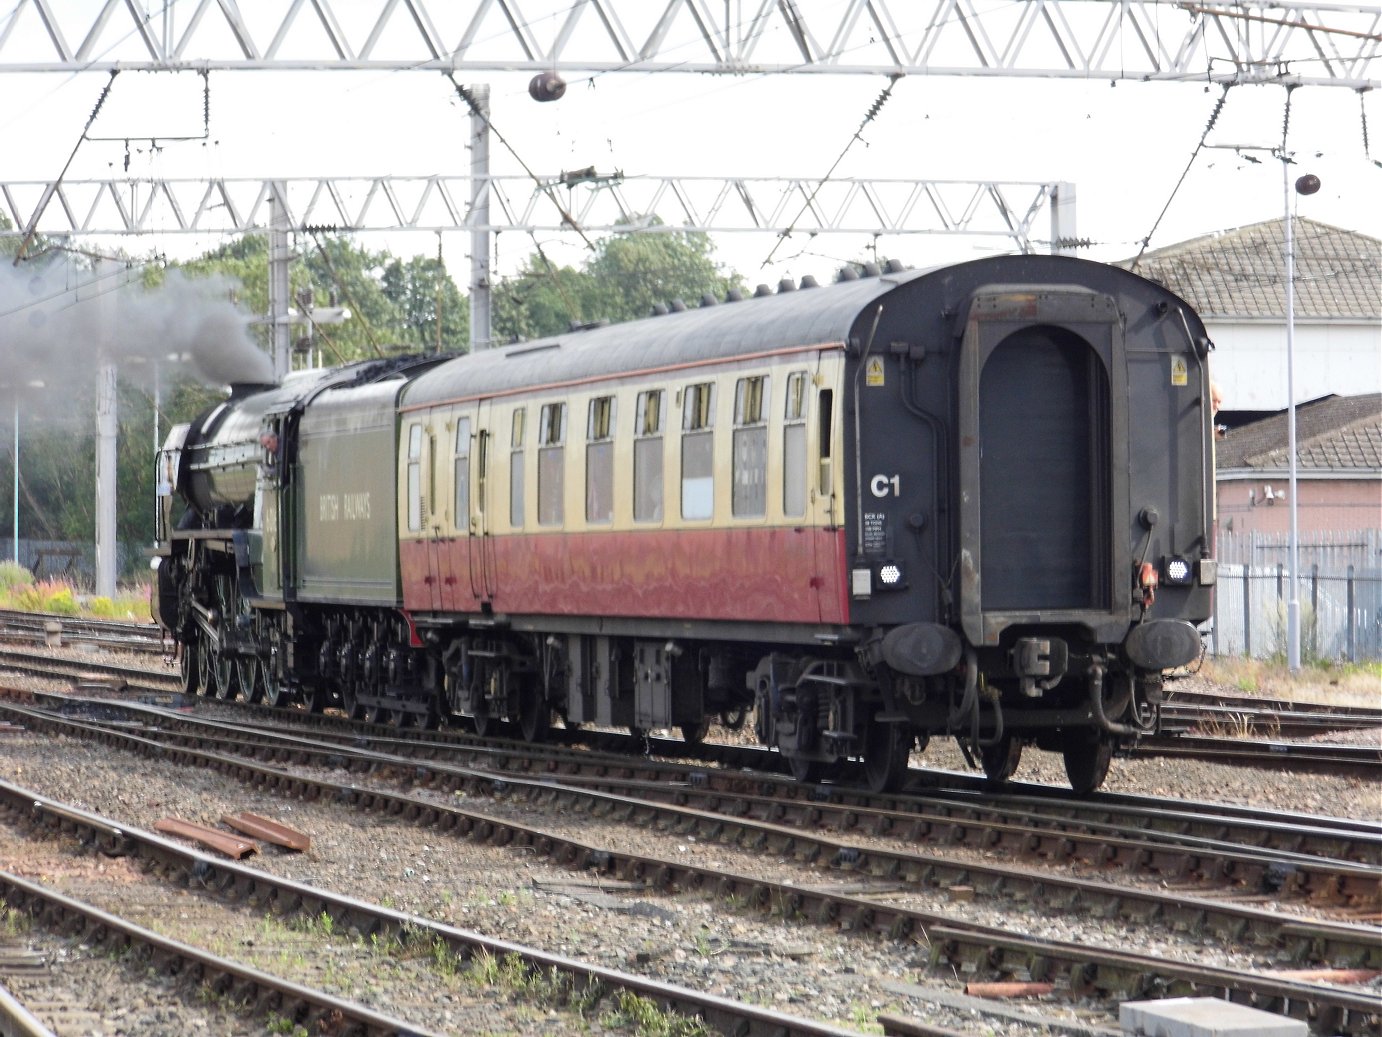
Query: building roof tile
point(1241, 272)
point(1332, 434)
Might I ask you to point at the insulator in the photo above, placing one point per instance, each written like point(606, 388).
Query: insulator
point(809, 281)
point(546, 86)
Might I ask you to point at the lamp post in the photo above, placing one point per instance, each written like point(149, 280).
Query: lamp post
point(18, 390)
point(1307, 184)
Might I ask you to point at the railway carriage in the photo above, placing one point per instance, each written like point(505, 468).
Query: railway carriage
point(971, 501)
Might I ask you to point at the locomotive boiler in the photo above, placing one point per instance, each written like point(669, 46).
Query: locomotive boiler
point(974, 501)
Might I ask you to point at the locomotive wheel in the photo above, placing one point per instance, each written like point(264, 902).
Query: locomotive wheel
point(351, 705)
point(1087, 758)
point(480, 721)
point(223, 682)
point(805, 769)
point(694, 734)
point(534, 714)
point(734, 717)
point(316, 697)
point(273, 692)
point(377, 715)
point(204, 686)
point(886, 748)
point(1000, 759)
point(189, 666)
point(247, 678)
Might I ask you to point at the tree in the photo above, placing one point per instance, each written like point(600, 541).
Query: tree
point(627, 276)
point(635, 272)
point(434, 315)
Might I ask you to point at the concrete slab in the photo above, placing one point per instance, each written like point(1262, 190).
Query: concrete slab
point(1204, 1017)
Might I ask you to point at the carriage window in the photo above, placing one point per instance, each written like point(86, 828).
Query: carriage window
point(698, 451)
point(463, 474)
point(599, 460)
point(750, 497)
point(482, 472)
point(415, 478)
point(794, 446)
point(826, 401)
point(551, 464)
point(647, 458)
point(516, 470)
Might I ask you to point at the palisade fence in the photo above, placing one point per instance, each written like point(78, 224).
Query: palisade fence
point(1339, 590)
point(74, 562)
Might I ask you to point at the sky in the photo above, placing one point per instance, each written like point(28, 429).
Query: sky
point(1127, 148)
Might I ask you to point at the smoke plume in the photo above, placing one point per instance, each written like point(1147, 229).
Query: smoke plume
point(60, 320)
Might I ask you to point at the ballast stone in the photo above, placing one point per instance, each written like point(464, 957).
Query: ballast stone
point(1203, 1017)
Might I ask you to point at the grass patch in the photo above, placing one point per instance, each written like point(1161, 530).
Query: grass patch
point(1325, 682)
point(19, 590)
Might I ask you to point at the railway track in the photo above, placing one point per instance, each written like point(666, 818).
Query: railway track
point(112, 634)
point(941, 799)
point(176, 867)
point(951, 942)
point(1244, 748)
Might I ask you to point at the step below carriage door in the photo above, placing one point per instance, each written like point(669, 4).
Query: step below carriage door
point(1043, 459)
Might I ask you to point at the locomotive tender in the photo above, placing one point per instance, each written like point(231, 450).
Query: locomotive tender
point(974, 500)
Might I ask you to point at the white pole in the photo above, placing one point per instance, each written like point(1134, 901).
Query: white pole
point(16, 478)
point(280, 256)
point(480, 299)
point(1293, 602)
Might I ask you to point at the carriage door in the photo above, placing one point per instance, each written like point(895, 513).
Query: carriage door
point(479, 546)
point(1038, 383)
point(272, 557)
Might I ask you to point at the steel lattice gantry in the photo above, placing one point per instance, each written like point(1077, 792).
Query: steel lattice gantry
point(1225, 41)
point(596, 204)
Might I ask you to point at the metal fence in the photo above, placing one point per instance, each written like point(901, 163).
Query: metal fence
point(1340, 614)
point(74, 561)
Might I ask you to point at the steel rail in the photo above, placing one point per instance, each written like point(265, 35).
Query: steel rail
point(1281, 836)
point(302, 1004)
point(1172, 856)
point(237, 882)
point(1316, 757)
point(1301, 941)
point(1262, 832)
point(59, 668)
point(18, 1021)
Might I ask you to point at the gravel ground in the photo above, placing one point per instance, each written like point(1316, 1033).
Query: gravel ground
point(500, 892)
point(804, 969)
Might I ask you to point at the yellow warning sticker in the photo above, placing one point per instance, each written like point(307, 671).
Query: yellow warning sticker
point(1180, 371)
point(873, 371)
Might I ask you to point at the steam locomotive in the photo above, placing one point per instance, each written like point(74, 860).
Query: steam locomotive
point(972, 501)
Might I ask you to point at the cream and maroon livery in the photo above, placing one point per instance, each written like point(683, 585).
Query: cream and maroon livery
point(973, 501)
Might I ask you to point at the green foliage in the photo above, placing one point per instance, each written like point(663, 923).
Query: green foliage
point(643, 1016)
point(394, 303)
point(625, 277)
point(13, 575)
point(44, 596)
point(101, 607)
